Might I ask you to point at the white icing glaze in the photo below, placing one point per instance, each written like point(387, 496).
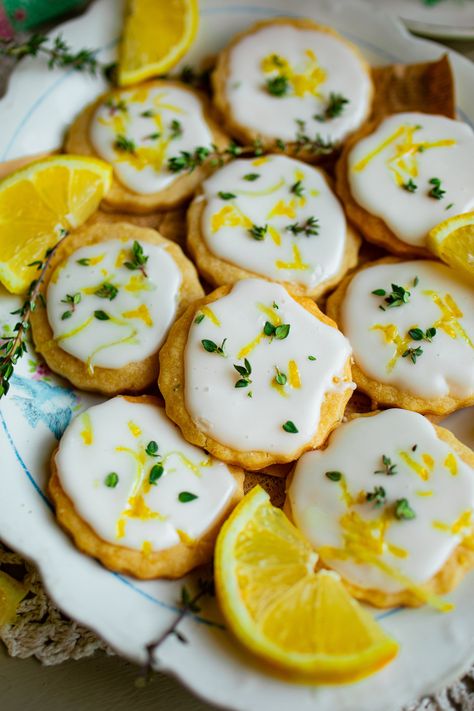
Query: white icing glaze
point(424, 477)
point(319, 64)
point(112, 437)
point(268, 200)
point(227, 413)
point(140, 314)
point(377, 179)
point(145, 170)
point(443, 299)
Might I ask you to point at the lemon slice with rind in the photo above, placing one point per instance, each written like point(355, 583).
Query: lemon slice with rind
point(280, 607)
point(453, 242)
point(38, 203)
point(157, 33)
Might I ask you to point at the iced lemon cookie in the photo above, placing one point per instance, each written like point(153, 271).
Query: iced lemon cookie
point(403, 176)
point(411, 327)
point(138, 130)
point(273, 217)
point(254, 375)
point(132, 493)
point(111, 294)
point(389, 505)
point(285, 77)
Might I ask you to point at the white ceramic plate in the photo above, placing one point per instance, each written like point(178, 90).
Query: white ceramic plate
point(445, 19)
point(435, 647)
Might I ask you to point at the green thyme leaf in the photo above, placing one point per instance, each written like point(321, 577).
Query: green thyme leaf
point(333, 476)
point(311, 357)
point(199, 318)
point(257, 232)
point(111, 480)
point(251, 177)
point(334, 108)
point(290, 427)
point(282, 331)
point(280, 378)
point(410, 186)
point(298, 188)
point(124, 144)
point(176, 129)
point(226, 196)
point(155, 473)
point(309, 227)
point(152, 448)
point(377, 496)
point(212, 347)
point(278, 86)
point(186, 496)
point(436, 191)
point(101, 315)
point(403, 510)
point(84, 262)
point(107, 291)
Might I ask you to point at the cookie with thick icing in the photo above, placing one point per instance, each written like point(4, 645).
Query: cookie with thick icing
point(132, 493)
point(411, 328)
point(389, 505)
point(111, 293)
point(255, 375)
point(400, 177)
point(272, 217)
point(291, 76)
point(138, 130)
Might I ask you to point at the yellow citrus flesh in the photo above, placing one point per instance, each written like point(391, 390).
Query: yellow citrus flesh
point(453, 242)
point(37, 203)
point(11, 594)
point(157, 33)
point(301, 620)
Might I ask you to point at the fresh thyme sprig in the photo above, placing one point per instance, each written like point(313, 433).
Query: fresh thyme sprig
point(377, 497)
point(308, 227)
point(413, 353)
point(244, 371)
point(56, 51)
point(334, 108)
point(216, 157)
point(188, 604)
point(138, 260)
point(71, 300)
point(396, 297)
point(388, 468)
point(13, 348)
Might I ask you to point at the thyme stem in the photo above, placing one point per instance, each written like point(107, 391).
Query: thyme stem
point(12, 348)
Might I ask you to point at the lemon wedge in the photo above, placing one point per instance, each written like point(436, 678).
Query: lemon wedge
point(453, 242)
point(40, 201)
point(157, 33)
point(280, 607)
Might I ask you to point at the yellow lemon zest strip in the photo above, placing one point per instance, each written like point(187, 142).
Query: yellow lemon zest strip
point(246, 350)
point(210, 315)
point(450, 314)
point(121, 526)
point(195, 468)
point(451, 464)
point(229, 216)
point(184, 538)
point(283, 208)
point(139, 509)
point(296, 264)
point(462, 522)
point(140, 313)
point(134, 429)
point(270, 313)
point(87, 433)
point(391, 335)
point(422, 472)
point(275, 235)
point(75, 331)
point(420, 492)
point(294, 375)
